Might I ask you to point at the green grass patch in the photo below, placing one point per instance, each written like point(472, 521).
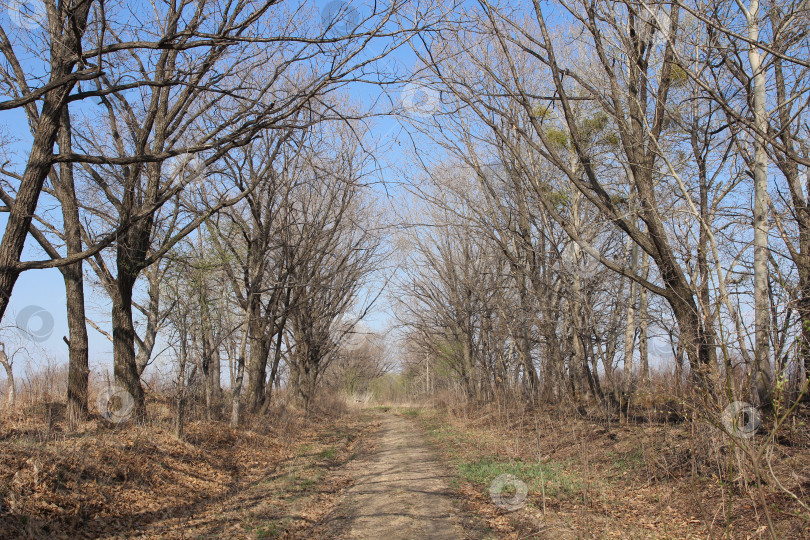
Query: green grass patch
point(412, 412)
point(271, 530)
point(297, 484)
point(464, 449)
point(328, 453)
point(446, 434)
point(558, 482)
point(628, 461)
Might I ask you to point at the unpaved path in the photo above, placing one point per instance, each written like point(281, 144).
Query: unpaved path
point(400, 491)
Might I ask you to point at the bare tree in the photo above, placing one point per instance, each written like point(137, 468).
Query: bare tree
point(250, 237)
point(635, 109)
point(334, 224)
point(225, 74)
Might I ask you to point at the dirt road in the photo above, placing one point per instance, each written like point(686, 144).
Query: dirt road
point(400, 490)
point(369, 477)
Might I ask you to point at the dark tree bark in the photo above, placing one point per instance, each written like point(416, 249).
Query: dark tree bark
point(125, 367)
point(78, 368)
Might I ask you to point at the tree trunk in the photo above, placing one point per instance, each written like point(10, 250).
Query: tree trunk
point(240, 373)
point(216, 375)
point(276, 362)
point(25, 204)
point(125, 368)
point(761, 302)
point(12, 396)
point(206, 373)
point(704, 293)
point(257, 372)
point(308, 385)
point(643, 323)
point(259, 353)
point(180, 418)
point(78, 366)
point(630, 325)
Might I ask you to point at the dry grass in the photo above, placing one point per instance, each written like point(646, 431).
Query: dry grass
point(660, 472)
point(628, 480)
point(107, 480)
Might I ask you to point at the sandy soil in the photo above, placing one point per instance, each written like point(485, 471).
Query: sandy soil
point(400, 491)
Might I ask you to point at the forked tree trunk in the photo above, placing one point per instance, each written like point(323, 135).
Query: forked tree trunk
point(259, 354)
